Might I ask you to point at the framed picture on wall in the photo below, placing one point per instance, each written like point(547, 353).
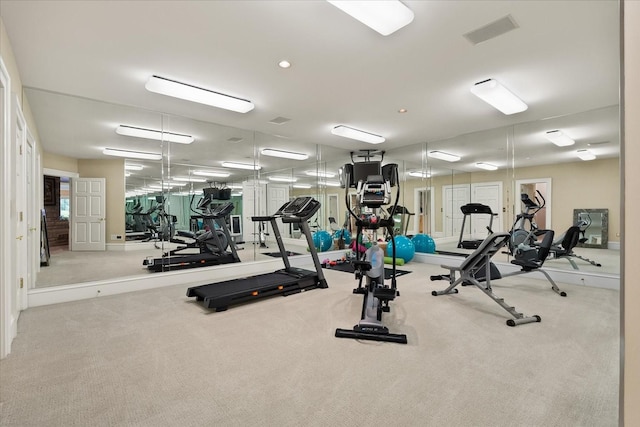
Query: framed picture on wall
point(50, 196)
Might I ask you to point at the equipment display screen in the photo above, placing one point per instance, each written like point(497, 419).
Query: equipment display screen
point(362, 170)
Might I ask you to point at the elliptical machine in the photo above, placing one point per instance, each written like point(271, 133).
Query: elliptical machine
point(522, 243)
point(373, 191)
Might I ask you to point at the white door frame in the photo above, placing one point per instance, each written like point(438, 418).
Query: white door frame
point(518, 203)
point(6, 238)
point(33, 211)
point(19, 187)
point(432, 207)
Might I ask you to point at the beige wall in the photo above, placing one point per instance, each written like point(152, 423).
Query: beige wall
point(61, 163)
point(587, 185)
point(113, 171)
point(631, 237)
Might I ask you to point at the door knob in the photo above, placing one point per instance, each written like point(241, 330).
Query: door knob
point(19, 238)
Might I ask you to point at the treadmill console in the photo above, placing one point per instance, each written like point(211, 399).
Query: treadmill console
point(300, 209)
point(222, 210)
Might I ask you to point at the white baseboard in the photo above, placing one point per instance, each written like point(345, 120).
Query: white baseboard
point(613, 245)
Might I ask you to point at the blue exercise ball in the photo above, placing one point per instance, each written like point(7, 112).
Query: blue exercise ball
point(404, 248)
point(424, 243)
point(322, 240)
point(345, 236)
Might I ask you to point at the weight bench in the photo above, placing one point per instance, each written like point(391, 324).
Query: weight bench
point(476, 269)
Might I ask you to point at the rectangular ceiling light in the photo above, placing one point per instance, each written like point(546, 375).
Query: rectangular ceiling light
point(132, 154)
point(154, 134)
point(586, 155)
point(383, 16)
point(132, 167)
point(192, 93)
point(320, 174)
point(329, 183)
point(282, 179)
point(189, 179)
point(444, 156)
point(559, 138)
point(486, 166)
point(211, 173)
point(347, 132)
point(246, 166)
point(419, 174)
point(301, 185)
point(498, 96)
point(284, 154)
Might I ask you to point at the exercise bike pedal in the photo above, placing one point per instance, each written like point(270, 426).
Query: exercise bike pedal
point(384, 294)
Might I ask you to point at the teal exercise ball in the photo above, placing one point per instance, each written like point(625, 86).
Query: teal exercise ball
point(322, 240)
point(346, 236)
point(404, 248)
point(424, 243)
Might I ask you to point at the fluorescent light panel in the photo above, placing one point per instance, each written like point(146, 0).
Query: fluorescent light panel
point(192, 93)
point(189, 179)
point(419, 174)
point(320, 174)
point(282, 179)
point(498, 96)
point(444, 156)
point(559, 138)
point(284, 154)
point(246, 166)
point(359, 135)
point(131, 154)
point(329, 183)
point(301, 185)
point(132, 167)
point(486, 166)
point(212, 173)
point(586, 155)
point(154, 134)
point(385, 17)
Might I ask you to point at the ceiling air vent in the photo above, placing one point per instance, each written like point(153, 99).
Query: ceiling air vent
point(279, 120)
point(492, 30)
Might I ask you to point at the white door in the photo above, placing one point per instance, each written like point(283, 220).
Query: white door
point(253, 204)
point(454, 196)
point(278, 196)
point(20, 254)
point(489, 194)
point(88, 214)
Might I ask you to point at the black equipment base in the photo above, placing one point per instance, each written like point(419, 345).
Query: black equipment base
point(221, 295)
point(179, 262)
point(377, 335)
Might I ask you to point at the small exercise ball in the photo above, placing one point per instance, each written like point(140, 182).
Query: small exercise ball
point(322, 240)
point(345, 236)
point(404, 248)
point(424, 243)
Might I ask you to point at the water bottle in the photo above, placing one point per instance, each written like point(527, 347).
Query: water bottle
point(375, 256)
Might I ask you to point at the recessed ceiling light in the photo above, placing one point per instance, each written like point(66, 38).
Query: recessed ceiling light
point(402, 110)
point(359, 135)
point(284, 64)
point(498, 96)
point(154, 134)
point(192, 93)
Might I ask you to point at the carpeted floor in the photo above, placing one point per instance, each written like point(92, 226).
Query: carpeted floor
point(157, 358)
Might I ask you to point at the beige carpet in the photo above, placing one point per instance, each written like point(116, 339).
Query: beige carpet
point(157, 358)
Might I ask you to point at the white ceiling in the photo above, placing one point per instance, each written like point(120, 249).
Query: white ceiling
point(562, 60)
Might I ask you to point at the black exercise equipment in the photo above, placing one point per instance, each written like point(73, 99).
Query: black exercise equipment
point(405, 217)
point(473, 209)
point(287, 281)
point(212, 249)
point(563, 248)
point(519, 232)
point(477, 269)
point(373, 192)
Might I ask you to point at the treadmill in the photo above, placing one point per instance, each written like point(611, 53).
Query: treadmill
point(474, 209)
point(175, 261)
point(287, 281)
